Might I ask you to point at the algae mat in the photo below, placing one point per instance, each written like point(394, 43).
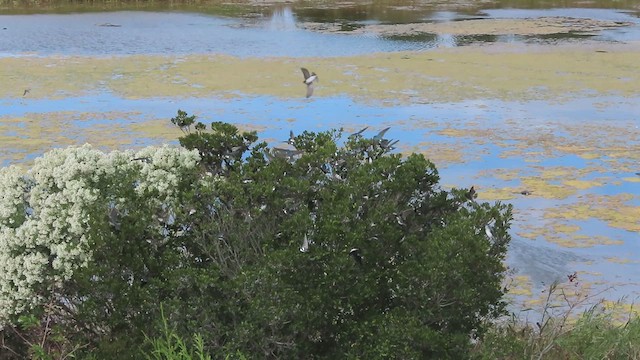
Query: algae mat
point(497, 72)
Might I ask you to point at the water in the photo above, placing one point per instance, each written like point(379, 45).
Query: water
point(275, 31)
point(278, 34)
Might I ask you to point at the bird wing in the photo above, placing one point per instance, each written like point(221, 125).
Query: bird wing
point(305, 244)
point(359, 132)
point(381, 133)
point(305, 73)
point(309, 89)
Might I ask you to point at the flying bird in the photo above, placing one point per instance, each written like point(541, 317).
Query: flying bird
point(309, 78)
point(471, 195)
point(26, 91)
point(292, 138)
point(358, 133)
point(380, 135)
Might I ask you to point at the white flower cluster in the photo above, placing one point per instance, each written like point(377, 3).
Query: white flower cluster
point(46, 213)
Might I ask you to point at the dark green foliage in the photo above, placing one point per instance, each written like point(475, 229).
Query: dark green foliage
point(221, 149)
point(429, 272)
point(232, 263)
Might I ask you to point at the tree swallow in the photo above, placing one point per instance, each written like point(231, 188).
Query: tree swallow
point(359, 133)
point(380, 135)
point(308, 80)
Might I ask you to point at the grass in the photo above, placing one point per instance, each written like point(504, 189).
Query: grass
point(170, 346)
point(564, 331)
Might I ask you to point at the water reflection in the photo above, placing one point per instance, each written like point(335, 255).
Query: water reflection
point(282, 19)
point(278, 34)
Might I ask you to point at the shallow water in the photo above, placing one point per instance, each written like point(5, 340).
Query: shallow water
point(278, 34)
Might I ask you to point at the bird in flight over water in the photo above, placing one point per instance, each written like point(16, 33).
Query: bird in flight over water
point(309, 78)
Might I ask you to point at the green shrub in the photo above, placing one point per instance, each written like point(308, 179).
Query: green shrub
point(251, 247)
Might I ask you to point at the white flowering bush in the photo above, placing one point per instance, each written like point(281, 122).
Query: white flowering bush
point(55, 215)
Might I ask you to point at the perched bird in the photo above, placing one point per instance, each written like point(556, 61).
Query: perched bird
point(305, 244)
point(286, 153)
point(234, 151)
point(144, 159)
point(357, 133)
point(309, 78)
point(525, 192)
point(355, 254)
point(388, 144)
point(487, 230)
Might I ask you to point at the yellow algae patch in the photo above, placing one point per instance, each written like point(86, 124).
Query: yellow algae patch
point(568, 298)
point(611, 209)
point(37, 133)
point(438, 153)
point(582, 241)
point(581, 184)
point(618, 260)
point(477, 72)
point(632, 179)
point(540, 187)
point(497, 194)
point(589, 156)
point(552, 173)
point(520, 285)
point(507, 175)
point(565, 235)
point(454, 132)
point(156, 128)
point(620, 311)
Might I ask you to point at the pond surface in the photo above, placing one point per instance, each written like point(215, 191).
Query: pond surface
point(576, 152)
point(281, 33)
